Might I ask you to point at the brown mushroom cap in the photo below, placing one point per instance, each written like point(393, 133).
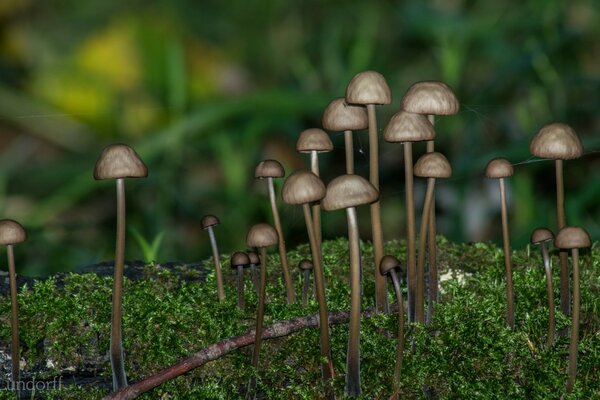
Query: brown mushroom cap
point(253, 258)
point(302, 187)
point(209, 220)
point(314, 139)
point(305, 264)
point(408, 127)
point(556, 142)
point(239, 258)
point(119, 161)
point(541, 235)
point(430, 98)
point(341, 116)
point(269, 169)
point(499, 168)
point(388, 263)
point(368, 87)
point(572, 237)
point(261, 235)
point(347, 191)
point(433, 165)
point(11, 232)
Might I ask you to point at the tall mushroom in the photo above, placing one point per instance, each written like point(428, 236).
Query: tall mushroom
point(431, 166)
point(254, 263)
point(406, 128)
point(207, 223)
point(314, 141)
point(500, 168)
point(341, 116)
point(350, 191)
point(541, 236)
point(303, 188)
point(369, 88)
point(238, 261)
point(305, 266)
point(573, 238)
point(261, 236)
point(119, 161)
point(558, 142)
point(269, 169)
point(11, 233)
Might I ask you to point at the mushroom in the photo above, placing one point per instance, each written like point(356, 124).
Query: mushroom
point(431, 166)
point(238, 261)
point(208, 221)
point(11, 233)
point(261, 236)
point(541, 236)
point(303, 188)
point(573, 238)
point(558, 142)
point(350, 191)
point(500, 168)
point(306, 266)
point(341, 116)
point(270, 169)
point(119, 161)
point(254, 262)
point(314, 141)
point(388, 267)
point(369, 88)
point(405, 128)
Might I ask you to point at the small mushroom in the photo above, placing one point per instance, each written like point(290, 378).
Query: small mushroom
point(500, 168)
point(270, 169)
point(350, 191)
point(254, 262)
point(542, 236)
point(369, 88)
point(573, 238)
point(11, 233)
point(306, 266)
point(119, 161)
point(208, 221)
point(238, 261)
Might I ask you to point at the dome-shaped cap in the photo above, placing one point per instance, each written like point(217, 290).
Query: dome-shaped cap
point(314, 139)
point(430, 98)
point(269, 169)
point(261, 235)
point(408, 127)
point(433, 165)
point(305, 264)
point(388, 263)
point(499, 168)
point(209, 220)
point(347, 191)
point(119, 161)
point(541, 235)
point(572, 237)
point(11, 232)
point(368, 87)
point(302, 187)
point(341, 116)
point(253, 258)
point(556, 142)
point(239, 258)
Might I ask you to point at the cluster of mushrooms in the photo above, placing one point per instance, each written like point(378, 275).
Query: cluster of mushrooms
point(415, 122)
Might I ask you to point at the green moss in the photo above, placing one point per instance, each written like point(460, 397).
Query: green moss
point(467, 352)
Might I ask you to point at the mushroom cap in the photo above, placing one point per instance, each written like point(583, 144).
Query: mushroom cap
point(302, 187)
point(541, 235)
point(11, 232)
point(119, 161)
point(408, 127)
point(433, 165)
point(388, 263)
point(368, 87)
point(239, 258)
point(261, 235)
point(556, 142)
point(430, 98)
point(341, 116)
point(269, 169)
point(314, 139)
point(572, 237)
point(347, 191)
point(209, 220)
point(499, 168)
point(305, 265)
point(253, 258)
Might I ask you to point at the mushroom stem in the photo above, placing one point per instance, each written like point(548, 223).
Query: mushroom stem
point(260, 313)
point(116, 341)
point(565, 298)
point(240, 286)
point(305, 287)
point(419, 301)
point(377, 234)
point(349, 146)
point(550, 293)
point(575, 324)
point(431, 239)
point(510, 313)
point(411, 264)
point(316, 209)
point(289, 286)
point(215, 251)
point(353, 357)
point(14, 316)
point(400, 345)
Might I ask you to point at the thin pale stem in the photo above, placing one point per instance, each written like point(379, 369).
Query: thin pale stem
point(550, 293)
point(14, 317)
point(305, 287)
point(510, 312)
point(400, 345)
point(240, 286)
point(411, 264)
point(420, 295)
point(349, 146)
point(260, 315)
point(287, 278)
point(316, 208)
point(217, 258)
point(575, 324)
point(431, 240)
point(353, 356)
point(565, 298)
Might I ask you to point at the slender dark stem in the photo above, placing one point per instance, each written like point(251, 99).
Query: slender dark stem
point(400, 345)
point(217, 258)
point(510, 312)
point(420, 298)
point(287, 279)
point(431, 239)
point(565, 298)
point(305, 287)
point(14, 317)
point(316, 208)
point(353, 356)
point(349, 145)
point(260, 314)
point(550, 293)
point(411, 264)
point(575, 324)
point(240, 286)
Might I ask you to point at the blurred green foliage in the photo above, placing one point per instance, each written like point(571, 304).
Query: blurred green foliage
point(206, 89)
